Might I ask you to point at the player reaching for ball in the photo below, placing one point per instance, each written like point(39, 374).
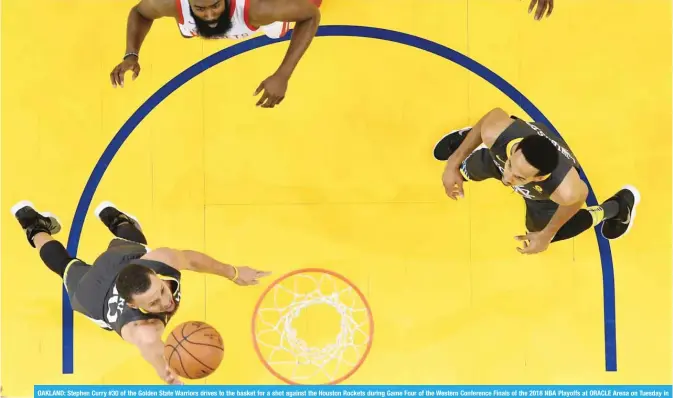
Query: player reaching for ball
point(227, 19)
point(129, 289)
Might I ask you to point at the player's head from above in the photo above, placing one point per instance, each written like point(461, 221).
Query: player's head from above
point(211, 16)
point(533, 159)
point(142, 288)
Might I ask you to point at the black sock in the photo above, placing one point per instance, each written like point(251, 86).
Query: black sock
point(54, 255)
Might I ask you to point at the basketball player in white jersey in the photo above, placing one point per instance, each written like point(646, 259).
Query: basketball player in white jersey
point(227, 19)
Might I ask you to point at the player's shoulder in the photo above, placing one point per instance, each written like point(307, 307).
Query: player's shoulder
point(173, 259)
point(153, 9)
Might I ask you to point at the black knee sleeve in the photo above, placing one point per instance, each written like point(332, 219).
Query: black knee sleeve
point(579, 223)
point(54, 255)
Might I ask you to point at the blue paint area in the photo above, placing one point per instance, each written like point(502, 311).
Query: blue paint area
point(325, 31)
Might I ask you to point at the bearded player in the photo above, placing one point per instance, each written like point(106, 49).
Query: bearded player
point(227, 19)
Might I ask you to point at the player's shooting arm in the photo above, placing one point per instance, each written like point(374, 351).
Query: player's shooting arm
point(306, 17)
point(485, 131)
point(570, 195)
point(146, 336)
point(140, 21)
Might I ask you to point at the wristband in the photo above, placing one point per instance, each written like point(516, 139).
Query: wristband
point(129, 54)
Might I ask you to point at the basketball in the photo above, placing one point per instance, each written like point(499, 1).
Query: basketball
point(194, 350)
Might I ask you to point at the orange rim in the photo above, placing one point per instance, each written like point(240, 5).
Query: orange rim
point(301, 271)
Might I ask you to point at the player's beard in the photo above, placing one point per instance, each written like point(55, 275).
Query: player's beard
point(223, 24)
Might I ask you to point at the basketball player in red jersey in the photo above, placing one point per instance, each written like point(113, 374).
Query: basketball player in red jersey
point(227, 19)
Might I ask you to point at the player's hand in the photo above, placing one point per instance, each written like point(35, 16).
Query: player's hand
point(533, 242)
point(453, 182)
point(274, 88)
point(169, 376)
point(542, 5)
point(249, 276)
point(128, 64)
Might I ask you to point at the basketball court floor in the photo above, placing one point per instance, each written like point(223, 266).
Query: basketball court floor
point(414, 288)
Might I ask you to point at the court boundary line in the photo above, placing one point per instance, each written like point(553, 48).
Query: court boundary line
point(358, 31)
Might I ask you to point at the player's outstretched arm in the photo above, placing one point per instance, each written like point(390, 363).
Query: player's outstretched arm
point(306, 16)
point(138, 25)
point(192, 260)
point(200, 262)
point(146, 335)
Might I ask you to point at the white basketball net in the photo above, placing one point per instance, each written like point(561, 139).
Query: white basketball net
point(286, 352)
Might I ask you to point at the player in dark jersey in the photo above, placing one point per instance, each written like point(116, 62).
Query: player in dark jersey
point(539, 166)
point(129, 288)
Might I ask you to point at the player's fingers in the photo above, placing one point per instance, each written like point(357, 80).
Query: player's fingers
point(459, 188)
point(136, 71)
point(272, 101)
point(541, 7)
point(263, 98)
point(551, 7)
point(259, 89)
point(117, 75)
point(120, 77)
point(531, 6)
point(112, 77)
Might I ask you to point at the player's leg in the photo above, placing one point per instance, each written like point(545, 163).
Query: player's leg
point(617, 214)
point(478, 166)
point(122, 225)
point(39, 228)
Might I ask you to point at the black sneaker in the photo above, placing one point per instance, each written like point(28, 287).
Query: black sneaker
point(449, 143)
point(618, 226)
point(34, 222)
point(108, 213)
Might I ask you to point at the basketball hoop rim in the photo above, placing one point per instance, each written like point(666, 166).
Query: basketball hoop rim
point(370, 317)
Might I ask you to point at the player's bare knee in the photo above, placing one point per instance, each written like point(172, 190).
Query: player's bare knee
point(493, 124)
point(497, 114)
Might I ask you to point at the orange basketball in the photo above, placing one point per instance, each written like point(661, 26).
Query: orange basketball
point(194, 350)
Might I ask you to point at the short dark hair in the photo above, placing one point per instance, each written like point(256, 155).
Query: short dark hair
point(540, 152)
point(133, 279)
